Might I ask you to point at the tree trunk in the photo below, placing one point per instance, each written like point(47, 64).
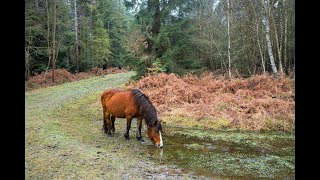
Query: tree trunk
point(258, 40)
point(27, 63)
point(278, 45)
point(48, 38)
point(267, 12)
point(229, 44)
point(281, 65)
point(27, 60)
point(76, 30)
point(53, 38)
point(72, 54)
point(285, 60)
point(260, 50)
point(28, 57)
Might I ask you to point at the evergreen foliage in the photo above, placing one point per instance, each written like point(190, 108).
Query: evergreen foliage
point(152, 36)
point(101, 44)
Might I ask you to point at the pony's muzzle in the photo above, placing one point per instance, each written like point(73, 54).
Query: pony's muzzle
point(159, 145)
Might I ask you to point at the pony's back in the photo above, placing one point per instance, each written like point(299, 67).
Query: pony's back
point(106, 95)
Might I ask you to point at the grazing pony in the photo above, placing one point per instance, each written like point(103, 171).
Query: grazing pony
point(130, 104)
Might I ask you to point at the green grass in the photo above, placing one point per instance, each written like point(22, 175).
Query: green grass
point(181, 121)
point(64, 137)
point(232, 154)
point(245, 138)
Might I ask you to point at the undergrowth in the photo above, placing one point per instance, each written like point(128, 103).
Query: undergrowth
point(260, 102)
point(62, 76)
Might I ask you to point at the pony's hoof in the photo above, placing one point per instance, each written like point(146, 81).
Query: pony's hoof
point(110, 135)
point(127, 137)
point(140, 139)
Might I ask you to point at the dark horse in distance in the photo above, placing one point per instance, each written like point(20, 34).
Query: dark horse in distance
point(130, 104)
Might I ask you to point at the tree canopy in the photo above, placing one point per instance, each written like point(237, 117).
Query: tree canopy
point(245, 37)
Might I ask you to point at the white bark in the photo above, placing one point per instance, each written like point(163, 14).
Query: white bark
point(285, 35)
point(258, 40)
point(281, 37)
point(273, 65)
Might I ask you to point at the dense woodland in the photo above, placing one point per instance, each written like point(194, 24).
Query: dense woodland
point(235, 37)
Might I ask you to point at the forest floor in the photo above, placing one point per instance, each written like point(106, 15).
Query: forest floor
point(64, 139)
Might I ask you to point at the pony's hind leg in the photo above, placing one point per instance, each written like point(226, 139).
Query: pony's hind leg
point(104, 127)
point(113, 129)
point(139, 125)
point(126, 134)
point(107, 124)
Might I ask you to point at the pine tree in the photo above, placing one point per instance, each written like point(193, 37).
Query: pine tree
point(101, 44)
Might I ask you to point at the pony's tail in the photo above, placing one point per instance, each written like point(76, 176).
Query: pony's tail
point(105, 96)
point(104, 101)
point(104, 107)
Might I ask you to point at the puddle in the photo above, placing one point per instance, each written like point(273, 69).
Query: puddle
point(232, 155)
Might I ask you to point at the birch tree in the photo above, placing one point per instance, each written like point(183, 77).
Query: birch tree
point(285, 36)
point(258, 38)
point(266, 7)
point(278, 44)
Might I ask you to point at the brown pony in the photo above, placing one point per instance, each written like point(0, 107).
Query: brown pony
point(130, 104)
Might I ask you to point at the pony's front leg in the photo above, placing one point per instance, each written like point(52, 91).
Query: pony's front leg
point(107, 124)
point(139, 125)
point(126, 134)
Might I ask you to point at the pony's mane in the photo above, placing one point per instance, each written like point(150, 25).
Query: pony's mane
point(146, 108)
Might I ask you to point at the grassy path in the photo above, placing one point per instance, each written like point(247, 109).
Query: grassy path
point(63, 136)
point(64, 140)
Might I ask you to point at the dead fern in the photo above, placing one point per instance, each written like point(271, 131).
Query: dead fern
point(248, 102)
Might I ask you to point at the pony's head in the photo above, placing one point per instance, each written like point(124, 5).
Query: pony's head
point(154, 133)
point(149, 113)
